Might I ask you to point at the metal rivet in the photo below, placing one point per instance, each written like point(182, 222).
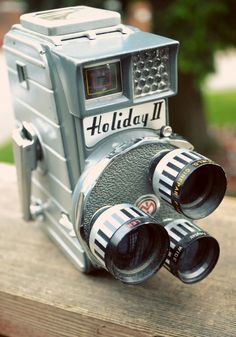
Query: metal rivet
point(166, 131)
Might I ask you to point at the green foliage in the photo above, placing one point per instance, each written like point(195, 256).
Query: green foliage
point(202, 27)
point(6, 153)
point(220, 108)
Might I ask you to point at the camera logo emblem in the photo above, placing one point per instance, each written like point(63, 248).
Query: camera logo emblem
point(148, 203)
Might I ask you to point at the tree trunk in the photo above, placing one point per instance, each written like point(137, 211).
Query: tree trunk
point(187, 117)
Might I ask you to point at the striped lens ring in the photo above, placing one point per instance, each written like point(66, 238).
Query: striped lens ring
point(193, 184)
point(193, 253)
point(127, 242)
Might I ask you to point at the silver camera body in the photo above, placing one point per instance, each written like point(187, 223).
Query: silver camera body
point(93, 146)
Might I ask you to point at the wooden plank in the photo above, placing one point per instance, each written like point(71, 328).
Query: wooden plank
point(41, 294)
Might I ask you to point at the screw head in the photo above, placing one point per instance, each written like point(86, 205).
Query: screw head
point(166, 131)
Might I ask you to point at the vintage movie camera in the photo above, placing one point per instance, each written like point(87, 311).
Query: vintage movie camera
point(96, 159)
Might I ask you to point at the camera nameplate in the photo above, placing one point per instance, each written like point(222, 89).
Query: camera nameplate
point(103, 125)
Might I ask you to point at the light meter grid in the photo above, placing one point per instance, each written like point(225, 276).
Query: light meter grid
point(151, 71)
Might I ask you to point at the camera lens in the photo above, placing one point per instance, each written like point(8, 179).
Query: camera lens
point(130, 244)
point(198, 259)
point(135, 248)
point(190, 257)
point(193, 253)
point(190, 182)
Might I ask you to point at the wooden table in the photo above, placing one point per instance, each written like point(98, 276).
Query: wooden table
point(41, 294)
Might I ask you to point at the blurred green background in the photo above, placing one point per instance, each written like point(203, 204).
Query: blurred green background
point(6, 153)
point(221, 108)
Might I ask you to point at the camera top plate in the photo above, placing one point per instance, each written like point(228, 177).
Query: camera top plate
point(69, 20)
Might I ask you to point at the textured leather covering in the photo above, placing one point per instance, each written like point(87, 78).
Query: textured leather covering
point(124, 180)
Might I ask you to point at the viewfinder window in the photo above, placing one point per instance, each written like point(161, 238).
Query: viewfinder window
point(102, 80)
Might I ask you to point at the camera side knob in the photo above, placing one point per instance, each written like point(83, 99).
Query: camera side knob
point(27, 153)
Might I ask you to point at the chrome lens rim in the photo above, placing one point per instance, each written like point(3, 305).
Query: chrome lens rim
point(208, 255)
point(151, 263)
point(190, 182)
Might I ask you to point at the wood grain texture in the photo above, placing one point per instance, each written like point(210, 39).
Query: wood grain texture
point(42, 295)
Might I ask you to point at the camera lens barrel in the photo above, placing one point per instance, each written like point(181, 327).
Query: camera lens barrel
point(193, 252)
point(127, 242)
point(193, 184)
